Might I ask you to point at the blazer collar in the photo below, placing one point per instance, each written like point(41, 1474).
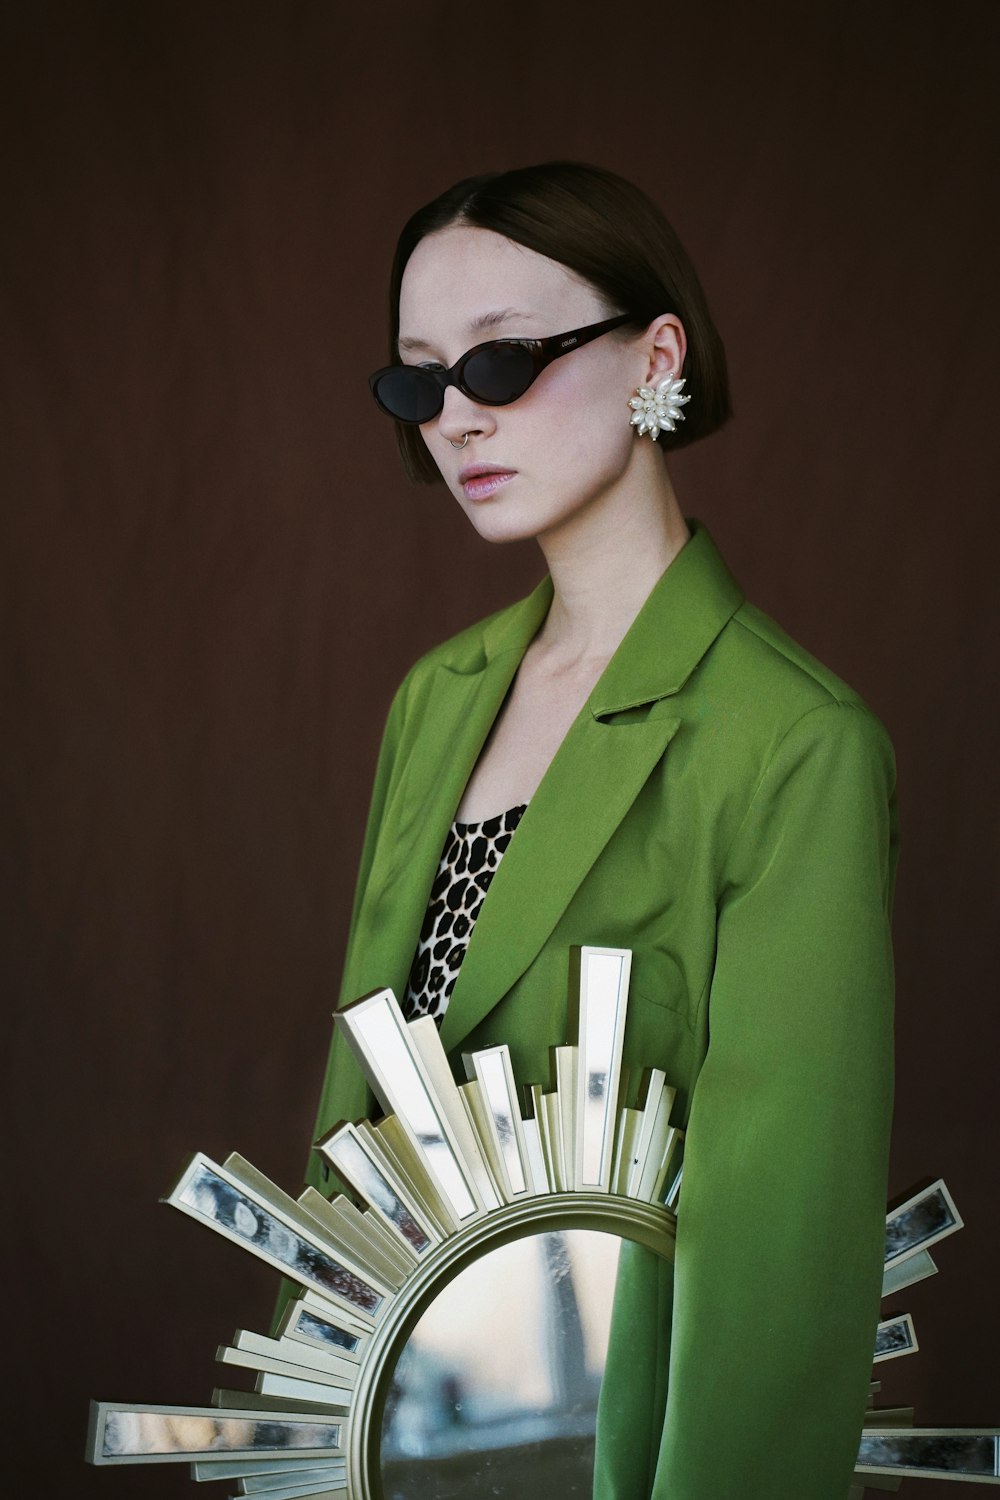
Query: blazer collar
point(684, 613)
point(672, 632)
point(687, 608)
point(513, 629)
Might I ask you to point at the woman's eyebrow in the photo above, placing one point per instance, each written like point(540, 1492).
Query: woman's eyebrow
point(482, 324)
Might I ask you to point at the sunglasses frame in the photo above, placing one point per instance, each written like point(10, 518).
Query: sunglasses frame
point(542, 352)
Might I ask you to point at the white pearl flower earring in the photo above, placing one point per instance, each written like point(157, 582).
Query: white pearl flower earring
point(659, 410)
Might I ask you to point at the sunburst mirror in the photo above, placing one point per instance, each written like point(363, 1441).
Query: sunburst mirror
point(383, 1382)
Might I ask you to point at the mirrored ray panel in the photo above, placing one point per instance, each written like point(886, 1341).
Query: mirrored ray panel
point(311, 1319)
point(907, 1272)
point(933, 1451)
point(505, 1143)
point(495, 1393)
point(310, 1493)
point(297, 1352)
point(629, 1123)
point(307, 1392)
point(309, 1326)
point(336, 1386)
point(537, 1127)
point(375, 1254)
point(317, 1490)
point(565, 1118)
point(340, 1493)
point(453, 1107)
point(346, 1152)
point(894, 1337)
point(161, 1434)
point(603, 998)
point(656, 1140)
point(920, 1222)
point(237, 1468)
point(331, 1485)
point(206, 1194)
point(226, 1399)
point(376, 1032)
point(392, 1147)
point(305, 1478)
point(534, 1160)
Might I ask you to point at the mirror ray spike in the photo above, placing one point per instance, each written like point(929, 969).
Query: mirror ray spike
point(353, 1155)
point(319, 1488)
point(330, 1490)
point(326, 1489)
point(302, 1356)
point(445, 1161)
point(233, 1400)
point(239, 1468)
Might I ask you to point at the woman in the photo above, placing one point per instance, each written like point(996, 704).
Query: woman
point(684, 781)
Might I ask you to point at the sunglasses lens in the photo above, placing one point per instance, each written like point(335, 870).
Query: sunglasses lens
point(496, 375)
point(409, 394)
point(500, 374)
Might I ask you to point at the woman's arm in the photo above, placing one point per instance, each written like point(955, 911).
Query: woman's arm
point(781, 1221)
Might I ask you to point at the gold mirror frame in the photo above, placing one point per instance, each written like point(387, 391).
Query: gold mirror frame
point(450, 1173)
point(645, 1223)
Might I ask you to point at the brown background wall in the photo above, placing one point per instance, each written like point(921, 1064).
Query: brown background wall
point(213, 574)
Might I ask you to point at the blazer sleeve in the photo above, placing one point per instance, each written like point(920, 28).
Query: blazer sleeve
point(334, 1102)
point(385, 770)
point(781, 1222)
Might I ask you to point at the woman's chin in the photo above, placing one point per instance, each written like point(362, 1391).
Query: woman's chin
point(499, 530)
point(496, 520)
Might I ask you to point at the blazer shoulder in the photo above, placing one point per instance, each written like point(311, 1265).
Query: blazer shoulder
point(792, 677)
point(758, 690)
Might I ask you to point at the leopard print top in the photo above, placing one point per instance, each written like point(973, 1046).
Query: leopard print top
point(472, 852)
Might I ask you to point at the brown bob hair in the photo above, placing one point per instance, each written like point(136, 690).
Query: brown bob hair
point(607, 231)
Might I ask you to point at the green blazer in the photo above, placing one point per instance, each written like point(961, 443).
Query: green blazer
point(723, 807)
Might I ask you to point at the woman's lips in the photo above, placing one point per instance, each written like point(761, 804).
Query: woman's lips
point(481, 480)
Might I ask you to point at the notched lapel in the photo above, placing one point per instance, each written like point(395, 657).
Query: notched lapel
point(455, 720)
point(451, 716)
point(590, 786)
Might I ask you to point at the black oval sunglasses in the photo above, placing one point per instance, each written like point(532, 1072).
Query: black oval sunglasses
point(494, 374)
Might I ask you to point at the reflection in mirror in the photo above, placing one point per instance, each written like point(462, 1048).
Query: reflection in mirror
point(495, 1392)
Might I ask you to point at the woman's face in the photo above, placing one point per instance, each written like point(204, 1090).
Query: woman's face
point(565, 446)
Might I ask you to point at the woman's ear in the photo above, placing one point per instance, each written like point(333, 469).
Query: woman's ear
point(666, 344)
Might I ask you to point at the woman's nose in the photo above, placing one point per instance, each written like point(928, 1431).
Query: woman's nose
point(461, 415)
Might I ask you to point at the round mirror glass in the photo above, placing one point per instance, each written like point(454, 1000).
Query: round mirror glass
point(495, 1391)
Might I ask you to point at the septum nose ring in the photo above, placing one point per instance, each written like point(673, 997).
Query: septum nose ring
point(461, 444)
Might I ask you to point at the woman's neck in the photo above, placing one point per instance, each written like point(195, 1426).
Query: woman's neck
point(603, 571)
